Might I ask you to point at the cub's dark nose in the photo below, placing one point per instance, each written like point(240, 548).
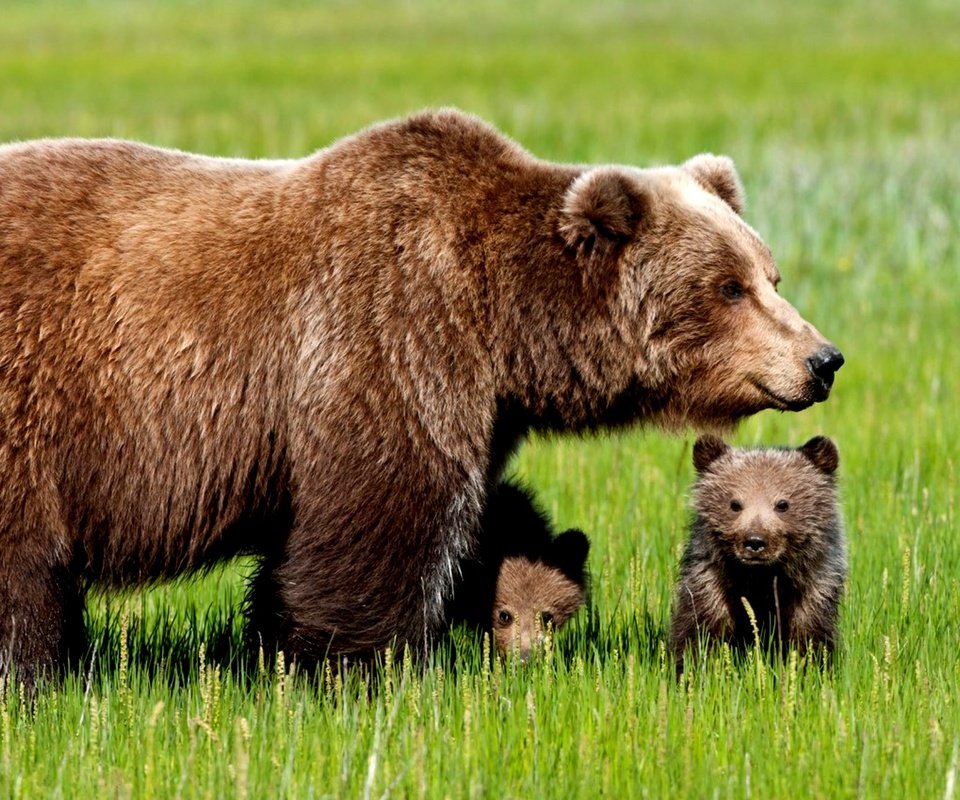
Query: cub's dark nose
point(823, 365)
point(755, 544)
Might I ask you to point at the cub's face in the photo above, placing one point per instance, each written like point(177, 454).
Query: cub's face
point(697, 293)
point(530, 596)
point(765, 506)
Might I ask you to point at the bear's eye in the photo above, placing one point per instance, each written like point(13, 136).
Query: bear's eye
point(736, 506)
point(732, 290)
point(782, 505)
point(504, 618)
point(546, 618)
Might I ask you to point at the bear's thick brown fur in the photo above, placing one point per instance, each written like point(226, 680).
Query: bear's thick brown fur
point(327, 361)
point(767, 530)
point(522, 577)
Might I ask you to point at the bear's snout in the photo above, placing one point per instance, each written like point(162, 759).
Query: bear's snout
point(823, 365)
point(759, 545)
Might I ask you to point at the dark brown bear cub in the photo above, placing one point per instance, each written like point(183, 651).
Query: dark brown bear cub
point(766, 530)
point(523, 579)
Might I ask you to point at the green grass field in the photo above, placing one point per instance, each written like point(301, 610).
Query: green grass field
point(844, 120)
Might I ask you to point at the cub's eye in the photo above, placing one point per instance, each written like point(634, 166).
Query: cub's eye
point(732, 290)
point(736, 506)
point(782, 505)
point(504, 618)
point(546, 618)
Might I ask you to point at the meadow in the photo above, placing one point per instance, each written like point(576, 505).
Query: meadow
point(844, 121)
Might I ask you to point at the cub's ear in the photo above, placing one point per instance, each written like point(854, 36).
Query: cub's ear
point(717, 174)
point(569, 554)
point(706, 450)
point(601, 211)
point(822, 453)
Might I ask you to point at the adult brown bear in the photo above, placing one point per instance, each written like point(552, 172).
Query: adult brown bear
point(326, 362)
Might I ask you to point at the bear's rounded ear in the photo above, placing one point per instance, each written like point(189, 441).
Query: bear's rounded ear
point(569, 553)
point(601, 211)
point(706, 450)
point(718, 175)
point(822, 453)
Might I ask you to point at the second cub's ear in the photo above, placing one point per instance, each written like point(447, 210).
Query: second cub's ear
point(822, 453)
point(718, 175)
point(706, 450)
point(601, 211)
point(569, 553)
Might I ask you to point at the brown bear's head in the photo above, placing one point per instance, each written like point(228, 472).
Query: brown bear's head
point(765, 506)
point(534, 594)
point(692, 329)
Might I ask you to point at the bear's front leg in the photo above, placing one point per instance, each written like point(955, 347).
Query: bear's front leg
point(813, 626)
point(701, 613)
point(367, 565)
point(41, 617)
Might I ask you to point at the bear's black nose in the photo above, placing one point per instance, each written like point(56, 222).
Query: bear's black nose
point(755, 544)
point(823, 366)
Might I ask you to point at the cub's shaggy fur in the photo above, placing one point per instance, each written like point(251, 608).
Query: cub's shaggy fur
point(524, 579)
point(326, 362)
point(767, 530)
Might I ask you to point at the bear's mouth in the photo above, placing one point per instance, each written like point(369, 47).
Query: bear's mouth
point(756, 559)
point(821, 389)
point(783, 403)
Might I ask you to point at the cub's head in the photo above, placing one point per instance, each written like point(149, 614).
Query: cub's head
point(696, 330)
point(532, 594)
point(765, 506)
